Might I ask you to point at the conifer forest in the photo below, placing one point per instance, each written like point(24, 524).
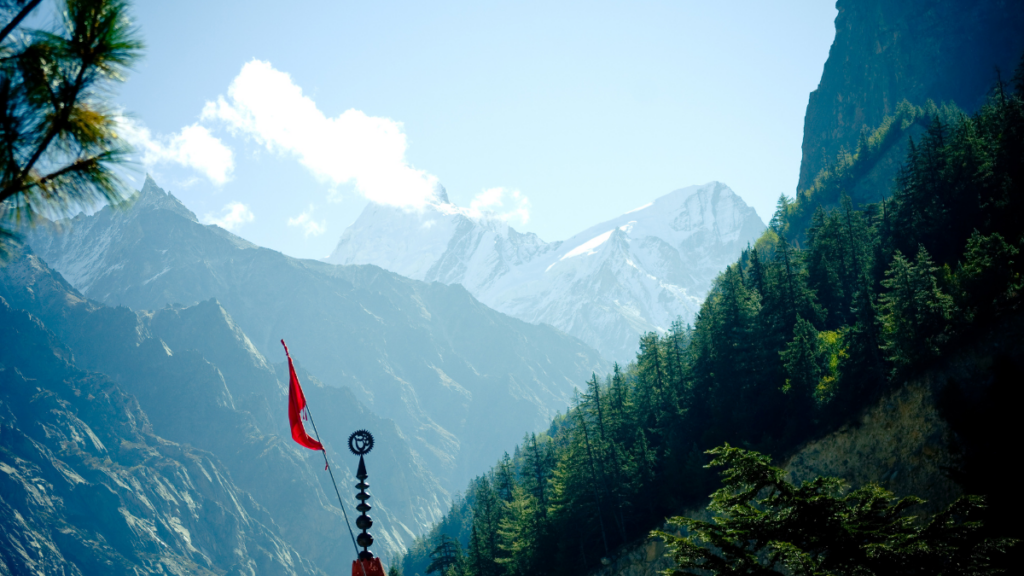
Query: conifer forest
point(837, 303)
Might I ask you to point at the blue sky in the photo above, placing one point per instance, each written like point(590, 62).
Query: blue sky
point(280, 120)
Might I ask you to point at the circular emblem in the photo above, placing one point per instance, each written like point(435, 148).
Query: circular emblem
point(360, 442)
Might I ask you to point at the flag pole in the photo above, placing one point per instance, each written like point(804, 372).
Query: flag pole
point(323, 450)
point(336, 491)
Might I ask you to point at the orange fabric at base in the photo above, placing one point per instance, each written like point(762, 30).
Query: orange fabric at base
point(372, 567)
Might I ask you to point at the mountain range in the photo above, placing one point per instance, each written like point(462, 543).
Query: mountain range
point(636, 273)
point(186, 319)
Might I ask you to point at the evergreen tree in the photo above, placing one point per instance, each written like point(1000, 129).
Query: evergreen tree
point(989, 277)
point(447, 558)
point(650, 379)
point(598, 484)
point(536, 470)
point(518, 533)
point(506, 477)
point(767, 526)
point(60, 143)
point(479, 562)
point(802, 358)
point(914, 311)
point(487, 515)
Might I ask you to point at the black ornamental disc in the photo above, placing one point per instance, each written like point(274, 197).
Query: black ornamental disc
point(360, 442)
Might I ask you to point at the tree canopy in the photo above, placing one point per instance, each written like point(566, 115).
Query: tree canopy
point(59, 146)
point(766, 526)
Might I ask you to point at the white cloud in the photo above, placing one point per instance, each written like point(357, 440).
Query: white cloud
point(193, 146)
point(488, 199)
point(264, 104)
point(305, 221)
point(232, 216)
point(493, 201)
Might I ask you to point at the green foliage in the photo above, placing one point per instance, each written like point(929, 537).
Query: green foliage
point(765, 525)
point(59, 144)
point(915, 314)
point(839, 176)
point(447, 558)
point(832, 345)
point(518, 531)
point(990, 277)
point(803, 358)
point(792, 341)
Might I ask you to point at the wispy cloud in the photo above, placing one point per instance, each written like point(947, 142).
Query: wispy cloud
point(352, 148)
point(233, 215)
point(503, 203)
point(193, 146)
point(309, 226)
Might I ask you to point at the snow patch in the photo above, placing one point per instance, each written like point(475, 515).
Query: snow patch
point(648, 205)
point(588, 247)
point(158, 274)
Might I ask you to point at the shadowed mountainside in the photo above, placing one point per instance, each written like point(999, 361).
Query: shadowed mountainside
point(202, 383)
point(86, 487)
point(885, 52)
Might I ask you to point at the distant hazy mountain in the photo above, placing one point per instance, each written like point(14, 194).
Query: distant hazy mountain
point(87, 486)
point(605, 285)
point(200, 382)
point(461, 381)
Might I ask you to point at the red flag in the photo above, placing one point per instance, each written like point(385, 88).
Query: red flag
point(296, 403)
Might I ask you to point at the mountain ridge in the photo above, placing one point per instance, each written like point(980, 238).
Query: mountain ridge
point(87, 487)
point(402, 346)
point(606, 285)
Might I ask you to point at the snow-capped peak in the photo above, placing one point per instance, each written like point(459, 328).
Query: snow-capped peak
point(606, 285)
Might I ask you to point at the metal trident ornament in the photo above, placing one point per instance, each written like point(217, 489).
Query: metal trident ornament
point(360, 443)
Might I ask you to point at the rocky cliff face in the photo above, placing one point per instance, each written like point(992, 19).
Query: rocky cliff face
point(86, 487)
point(201, 382)
point(885, 52)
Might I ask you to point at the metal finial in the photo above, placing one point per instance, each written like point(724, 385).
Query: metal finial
point(360, 443)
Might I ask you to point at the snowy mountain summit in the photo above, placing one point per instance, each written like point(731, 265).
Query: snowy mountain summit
point(605, 285)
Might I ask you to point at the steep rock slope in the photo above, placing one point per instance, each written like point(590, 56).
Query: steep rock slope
point(211, 389)
point(605, 285)
point(885, 52)
point(86, 487)
point(461, 380)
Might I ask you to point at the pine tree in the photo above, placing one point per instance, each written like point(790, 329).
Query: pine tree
point(478, 561)
point(802, 358)
point(487, 515)
point(607, 456)
point(767, 526)
point(989, 277)
point(914, 311)
point(506, 477)
point(597, 476)
point(60, 145)
point(650, 379)
point(518, 533)
point(536, 470)
point(447, 558)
